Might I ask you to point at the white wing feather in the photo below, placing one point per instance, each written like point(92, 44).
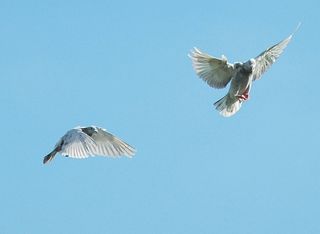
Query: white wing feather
point(216, 72)
point(270, 55)
point(109, 145)
point(77, 144)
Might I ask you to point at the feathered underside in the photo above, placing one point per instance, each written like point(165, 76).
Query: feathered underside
point(100, 143)
point(90, 141)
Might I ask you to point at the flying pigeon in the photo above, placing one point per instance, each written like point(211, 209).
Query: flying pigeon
point(219, 72)
point(82, 142)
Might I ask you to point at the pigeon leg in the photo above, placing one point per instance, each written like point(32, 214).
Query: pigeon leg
point(244, 96)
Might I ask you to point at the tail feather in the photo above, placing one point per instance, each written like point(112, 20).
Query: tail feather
point(49, 157)
point(228, 106)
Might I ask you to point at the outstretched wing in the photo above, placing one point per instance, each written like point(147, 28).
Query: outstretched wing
point(216, 72)
point(77, 144)
point(268, 57)
point(109, 145)
point(91, 141)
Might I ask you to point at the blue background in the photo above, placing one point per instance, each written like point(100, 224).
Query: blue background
point(123, 65)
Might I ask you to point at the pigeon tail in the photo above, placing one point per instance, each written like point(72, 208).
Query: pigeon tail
point(50, 156)
point(228, 106)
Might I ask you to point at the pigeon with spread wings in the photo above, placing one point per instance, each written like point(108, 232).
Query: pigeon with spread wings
point(83, 142)
point(218, 72)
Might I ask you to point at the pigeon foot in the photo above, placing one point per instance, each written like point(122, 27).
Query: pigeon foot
point(243, 97)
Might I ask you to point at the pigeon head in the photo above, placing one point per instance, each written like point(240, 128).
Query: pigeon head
point(248, 66)
point(238, 65)
point(89, 130)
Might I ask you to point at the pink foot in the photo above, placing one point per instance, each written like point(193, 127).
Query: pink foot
point(243, 97)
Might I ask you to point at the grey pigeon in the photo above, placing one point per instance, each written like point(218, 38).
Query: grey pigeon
point(219, 72)
point(82, 142)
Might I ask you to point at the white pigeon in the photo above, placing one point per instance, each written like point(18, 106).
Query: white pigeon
point(218, 73)
point(82, 142)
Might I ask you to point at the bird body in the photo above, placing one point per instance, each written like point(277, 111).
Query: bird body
point(239, 90)
point(218, 72)
point(82, 142)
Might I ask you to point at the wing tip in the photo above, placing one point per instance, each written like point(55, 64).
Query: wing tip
point(297, 28)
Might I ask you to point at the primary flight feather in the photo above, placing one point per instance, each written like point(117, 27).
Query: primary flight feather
point(218, 72)
point(82, 142)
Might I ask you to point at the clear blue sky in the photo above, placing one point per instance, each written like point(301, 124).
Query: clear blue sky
point(123, 65)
